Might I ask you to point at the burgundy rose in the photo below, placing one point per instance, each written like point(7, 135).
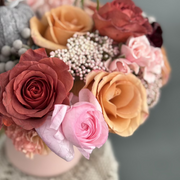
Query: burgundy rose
point(121, 19)
point(30, 90)
point(155, 38)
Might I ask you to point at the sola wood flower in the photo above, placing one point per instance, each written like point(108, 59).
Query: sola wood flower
point(31, 89)
point(81, 124)
point(13, 21)
point(122, 98)
point(25, 141)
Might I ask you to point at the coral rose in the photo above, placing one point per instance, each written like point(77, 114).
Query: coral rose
point(166, 70)
point(121, 19)
point(122, 98)
point(31, 89)
point(58, 25)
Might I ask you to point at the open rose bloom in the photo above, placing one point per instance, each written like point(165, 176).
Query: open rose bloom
point(87, 72)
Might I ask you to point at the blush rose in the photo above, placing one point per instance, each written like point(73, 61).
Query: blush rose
point(138, 50)
point(31, 89)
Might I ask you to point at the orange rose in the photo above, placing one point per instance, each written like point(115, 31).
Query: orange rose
point(166, 70)
point(58, 25)
point(122, 98)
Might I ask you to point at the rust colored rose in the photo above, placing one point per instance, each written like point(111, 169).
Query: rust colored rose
point(58, 25)
point(31, 89)
point(122, 98)
point(121, 19)
point(166, 70)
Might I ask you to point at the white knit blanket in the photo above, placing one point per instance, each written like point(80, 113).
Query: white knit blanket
point(101, 166)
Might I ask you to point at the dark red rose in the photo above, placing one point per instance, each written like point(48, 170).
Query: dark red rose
point(155, 38)
point(121, 19)
point(30, 90)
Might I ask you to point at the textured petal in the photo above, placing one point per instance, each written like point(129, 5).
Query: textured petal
point(55, 141)
point(64, 76)
point(35, 55)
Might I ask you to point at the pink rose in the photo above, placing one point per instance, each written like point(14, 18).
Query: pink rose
point(81, 124)
point(124, 66)
point(155, 66)
point(138, 50)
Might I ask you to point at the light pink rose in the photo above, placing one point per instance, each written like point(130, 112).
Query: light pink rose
point(81, 124)
point(138, 50)
point(43, 6)
point(124, 66)
point(155, 66)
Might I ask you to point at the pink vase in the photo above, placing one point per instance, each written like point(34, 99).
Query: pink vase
point(42, 166)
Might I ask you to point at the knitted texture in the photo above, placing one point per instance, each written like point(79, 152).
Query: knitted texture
point(101, 166)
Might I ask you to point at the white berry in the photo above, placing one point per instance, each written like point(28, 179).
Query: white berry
point(13, 50)
point(9, 65)
point(26, 33)
point(22, 51)
point(3, 58)
point(6, 51)
point(2, 67)
point(17, 44)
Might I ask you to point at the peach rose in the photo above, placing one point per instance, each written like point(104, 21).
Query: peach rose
point(58, 25)
point(166, 70)
point(122, 98)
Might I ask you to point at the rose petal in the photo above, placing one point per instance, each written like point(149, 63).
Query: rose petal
point(54, 140)
point(37, 31)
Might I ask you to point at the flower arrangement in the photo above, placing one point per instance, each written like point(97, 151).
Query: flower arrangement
point(76, 71)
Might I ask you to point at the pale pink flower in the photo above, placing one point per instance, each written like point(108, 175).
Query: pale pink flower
point(81, 124)
point(26, 141)
point(124, 66)
point(155, 66)
point(138, 50)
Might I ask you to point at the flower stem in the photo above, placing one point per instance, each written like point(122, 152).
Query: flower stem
point(97, 5)
point(2, 3)
point(82, 4)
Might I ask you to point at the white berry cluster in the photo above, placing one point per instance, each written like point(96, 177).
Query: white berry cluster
point(9, 56)
point(87, 52)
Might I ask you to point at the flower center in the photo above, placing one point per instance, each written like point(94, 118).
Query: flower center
point(84, 126)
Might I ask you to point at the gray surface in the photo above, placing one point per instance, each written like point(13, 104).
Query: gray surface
point(153, 152)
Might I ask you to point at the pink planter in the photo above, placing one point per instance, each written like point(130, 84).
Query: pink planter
point(42, 166)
